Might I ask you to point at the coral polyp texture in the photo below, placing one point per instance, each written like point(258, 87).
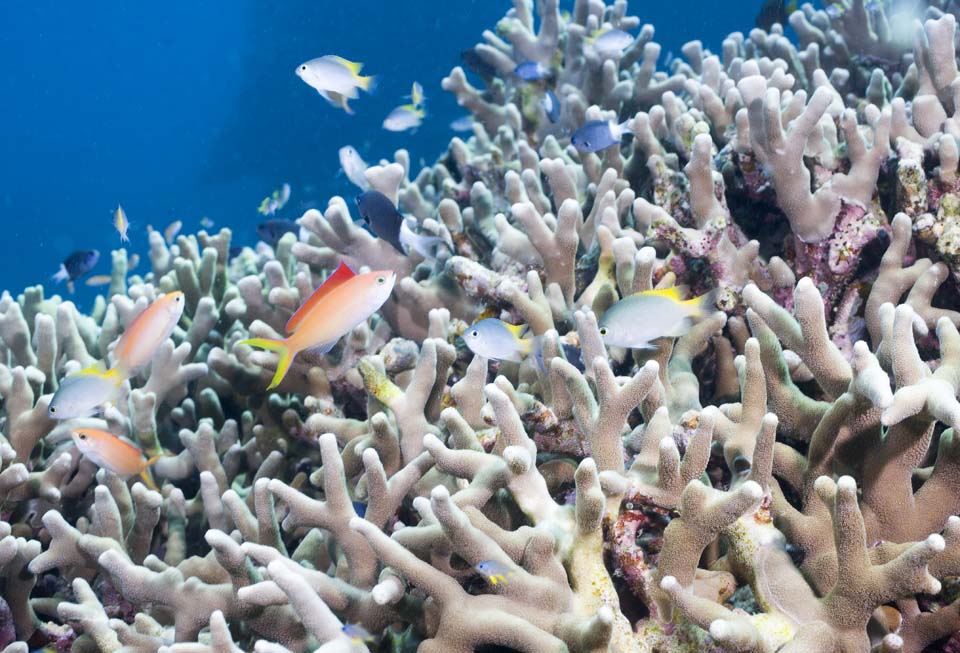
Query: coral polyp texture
point(783, 476)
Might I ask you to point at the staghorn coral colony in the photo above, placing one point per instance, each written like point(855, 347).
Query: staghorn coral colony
point(783, 477)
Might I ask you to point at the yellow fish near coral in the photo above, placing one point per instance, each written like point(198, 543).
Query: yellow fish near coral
point(115, 454)
point(635, 321)
point(342, 302)
point(495, 573)
point(495, 339)
point(121, 223)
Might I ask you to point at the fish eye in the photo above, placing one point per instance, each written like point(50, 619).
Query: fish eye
point(475, 334)
point(83, 436)
point(303, 67)
point(603, 331)
point(381, 280)
point(53, 409)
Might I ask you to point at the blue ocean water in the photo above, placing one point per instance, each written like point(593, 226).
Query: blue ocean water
point(182, 110)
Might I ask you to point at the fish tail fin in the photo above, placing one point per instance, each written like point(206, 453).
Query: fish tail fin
point(148, 479)
point(367, 83)
point(61, 274)
point(281, 348)
point(703, 305)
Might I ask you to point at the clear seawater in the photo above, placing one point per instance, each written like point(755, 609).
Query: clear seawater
point(185, 109)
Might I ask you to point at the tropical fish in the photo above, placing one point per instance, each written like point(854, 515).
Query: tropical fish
point(638, 319)
point(462, 124)
point(383, 218)
point(353, 166)
point(82, 393)
point(357, 633)
point(775, 11)
point(343, 301)
point(426, 246)
point(144, 335)
point(172, 230)
point(551, 105)
point(206, 222)
point(360, 508)
point(336, 79)
point(275, 201)
point(134, 262)
point(472, 60)
point(531, 71)
point(416, 95)
point(596, 135)
point(495, 339)
point(272, 231)
point(121, 223)
point(611, 42)
point(404, 117)
point(76, 265)
point(495, 573)
point(99, 280)
point(835, 10)
point(115, 454)
point(571, 353)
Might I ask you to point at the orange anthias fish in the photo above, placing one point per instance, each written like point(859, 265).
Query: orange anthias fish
point(147, 332)
point(341, 302)
point(115, 454)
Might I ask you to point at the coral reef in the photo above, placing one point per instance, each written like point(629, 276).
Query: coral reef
point(783, 477)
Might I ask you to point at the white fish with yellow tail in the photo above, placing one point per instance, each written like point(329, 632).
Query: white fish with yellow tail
point(336, 79)
point(170, 233)
point(343, 301)
point(637, 320)
point(82, 393)
point(115, 454)
point(495, 339)
point(121, 223)
point(407, 116)
point(144, 335)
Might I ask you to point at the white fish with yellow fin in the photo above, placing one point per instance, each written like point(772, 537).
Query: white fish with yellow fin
point(336, 79)
point(407, 116)
point(121, 223)
point(495, 573)
point(82, 393)
point(495, 339)
point(170, 233)
point(637, 320)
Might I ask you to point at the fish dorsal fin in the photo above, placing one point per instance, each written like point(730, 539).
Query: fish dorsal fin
point(676, 293)
point(353, 66)
point(593, 37)
point(516, 329)
point(341, 275)
point(97, 369)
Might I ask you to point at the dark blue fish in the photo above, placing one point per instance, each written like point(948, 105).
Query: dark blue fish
point(360, 508)
point(551, 105)
point(381, 216)
point(597, 135)
point(531, 71)
point(472, 60)
point(272, 231)
point(235, 251)
point(76, 265)
point(775, 11)
point(574, 356)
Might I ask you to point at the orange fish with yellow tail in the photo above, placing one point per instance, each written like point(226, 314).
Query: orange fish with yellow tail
point(343, 301)
point(115, 454)
point(147, 332)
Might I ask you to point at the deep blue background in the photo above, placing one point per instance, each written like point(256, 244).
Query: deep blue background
point(180, 110)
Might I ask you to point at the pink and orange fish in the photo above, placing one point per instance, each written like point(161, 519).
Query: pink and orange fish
point(115, 454)
point(147, 332)
point(341, 302)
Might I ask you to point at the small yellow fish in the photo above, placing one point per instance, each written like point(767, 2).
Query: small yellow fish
point(635, 321)
point(172, 230)
point(416, 94)
point(115, 454)
point(121, 223)
point(495, 573)
point(98, 280)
